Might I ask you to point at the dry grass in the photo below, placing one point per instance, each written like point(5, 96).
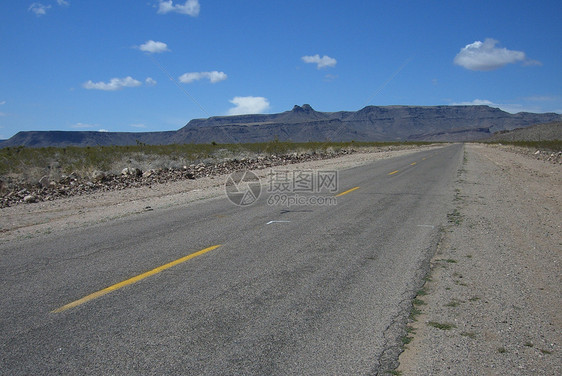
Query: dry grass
point(31, 164)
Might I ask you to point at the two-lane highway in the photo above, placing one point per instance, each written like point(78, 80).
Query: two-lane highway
point(213, 288)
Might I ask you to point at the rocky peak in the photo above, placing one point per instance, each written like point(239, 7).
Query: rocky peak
point(306, 108)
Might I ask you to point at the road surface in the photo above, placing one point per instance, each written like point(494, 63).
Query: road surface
point(218, 289)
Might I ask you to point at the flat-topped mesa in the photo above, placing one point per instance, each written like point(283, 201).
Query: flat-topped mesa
point(304, 124)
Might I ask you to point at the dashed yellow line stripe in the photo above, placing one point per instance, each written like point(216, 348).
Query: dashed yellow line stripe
point(346, 192)
point(130, 281)
point(393, 172)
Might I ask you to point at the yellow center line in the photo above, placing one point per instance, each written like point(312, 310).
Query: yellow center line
point(413, 164)
point(393, 172)
point(346, 192)
point(130, 281)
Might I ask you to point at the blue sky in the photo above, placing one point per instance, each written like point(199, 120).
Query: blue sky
point(154, 65)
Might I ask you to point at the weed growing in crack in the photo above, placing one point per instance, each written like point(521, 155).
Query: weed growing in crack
point(393, 372)
point(442, 326)
point(406, 339)
point(458, 196)
point(455, 217)
point(414, 313)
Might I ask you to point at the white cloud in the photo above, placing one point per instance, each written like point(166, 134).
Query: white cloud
point(213, 76)
point(532, 63)
point(485, 56)
point(113, 84)
point(321, 62)
point(476, 102)
point(154, 47)
point(63, 3)
point(512, 108)
point(150, 81)
point(190, 7)
point(538, 104)
point(248, 105)
point(84, 125)
point(39, 9)
point(103, 130)
point(2, 103)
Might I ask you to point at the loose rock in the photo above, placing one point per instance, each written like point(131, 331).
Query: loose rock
point(74, 185)
point(29, 199)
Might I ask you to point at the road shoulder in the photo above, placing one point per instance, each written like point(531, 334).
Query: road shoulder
point(491, 304)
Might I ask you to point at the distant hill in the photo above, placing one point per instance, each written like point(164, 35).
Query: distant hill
point(85, 138)
point(539, 132)
point(302, 124)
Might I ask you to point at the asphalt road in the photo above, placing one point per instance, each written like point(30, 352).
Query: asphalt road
point(322, 290)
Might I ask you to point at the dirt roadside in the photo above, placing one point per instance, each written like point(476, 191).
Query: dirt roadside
point(492, 302)
point(51, 217)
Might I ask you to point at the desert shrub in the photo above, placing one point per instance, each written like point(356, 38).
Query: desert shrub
point(551, 145)
point(30, 164)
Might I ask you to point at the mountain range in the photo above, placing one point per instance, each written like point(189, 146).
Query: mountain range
point(303, 124)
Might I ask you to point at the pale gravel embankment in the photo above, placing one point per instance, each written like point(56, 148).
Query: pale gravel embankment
point(51, 217)
point(496, 276)
point(541, 155)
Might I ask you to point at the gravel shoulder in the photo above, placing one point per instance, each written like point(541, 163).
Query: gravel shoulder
point(491, 305)
point(53, 217)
